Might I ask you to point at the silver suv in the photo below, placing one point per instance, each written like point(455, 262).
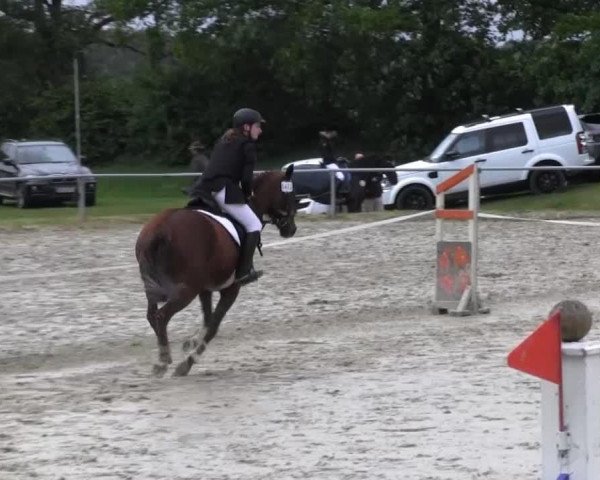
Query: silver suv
point(23, 160)
point(541, 137)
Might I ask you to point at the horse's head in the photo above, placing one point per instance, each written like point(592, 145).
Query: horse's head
point(274, 196)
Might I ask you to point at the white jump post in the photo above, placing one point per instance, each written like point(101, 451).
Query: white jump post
point(576, 450)
point(461, 301)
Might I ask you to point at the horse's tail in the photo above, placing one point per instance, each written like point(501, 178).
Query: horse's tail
point(154, 262)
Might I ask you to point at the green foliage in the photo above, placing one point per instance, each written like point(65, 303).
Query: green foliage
point(392, 76)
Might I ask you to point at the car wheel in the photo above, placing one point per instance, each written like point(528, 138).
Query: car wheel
point(23, 198)
point(546, 181)
point(414, 197)
point(1, 199)
point(90, 200)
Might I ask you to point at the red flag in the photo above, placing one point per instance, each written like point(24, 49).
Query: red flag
point(540, 353)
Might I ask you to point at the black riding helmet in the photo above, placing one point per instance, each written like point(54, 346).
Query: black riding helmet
point(246, 116)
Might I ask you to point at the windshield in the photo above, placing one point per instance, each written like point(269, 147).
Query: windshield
point(441, 148)
point(45, 154)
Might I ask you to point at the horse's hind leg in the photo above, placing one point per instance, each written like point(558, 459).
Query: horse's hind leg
point(151, 312)
point(160, 320)
point(211, 325)
point(192, 342)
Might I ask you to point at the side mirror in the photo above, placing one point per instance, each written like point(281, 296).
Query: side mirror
point(451, 154)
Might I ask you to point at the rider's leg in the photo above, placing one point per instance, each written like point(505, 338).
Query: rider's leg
point(246, 216)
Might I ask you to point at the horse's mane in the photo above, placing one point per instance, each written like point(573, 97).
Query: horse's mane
point(264, 177)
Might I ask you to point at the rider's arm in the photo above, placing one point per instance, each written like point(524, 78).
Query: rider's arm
point(248, 171)
point(334, 166)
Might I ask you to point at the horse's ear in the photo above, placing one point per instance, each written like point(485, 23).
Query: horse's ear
point(289, 171)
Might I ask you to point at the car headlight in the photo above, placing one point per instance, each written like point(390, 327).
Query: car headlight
point(32, 180)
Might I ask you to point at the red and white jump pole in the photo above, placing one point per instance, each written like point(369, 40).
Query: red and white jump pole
point(456, 266)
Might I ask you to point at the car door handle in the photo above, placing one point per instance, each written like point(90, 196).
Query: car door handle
point(527, 150)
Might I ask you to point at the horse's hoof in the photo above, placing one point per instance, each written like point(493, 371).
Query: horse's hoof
point(159, 369)
point(182, 369)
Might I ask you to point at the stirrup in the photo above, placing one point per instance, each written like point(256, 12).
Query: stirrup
point(251, 276)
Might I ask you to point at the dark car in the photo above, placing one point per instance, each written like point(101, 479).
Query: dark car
point(312, 188)
point(24, 160)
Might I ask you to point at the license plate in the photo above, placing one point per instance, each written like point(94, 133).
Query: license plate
point(65, 189)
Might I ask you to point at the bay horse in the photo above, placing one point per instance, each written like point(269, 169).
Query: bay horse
point(183, 254)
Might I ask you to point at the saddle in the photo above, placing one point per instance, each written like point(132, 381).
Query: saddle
point(203, 200)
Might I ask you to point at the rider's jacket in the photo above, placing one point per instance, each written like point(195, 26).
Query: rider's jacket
point(231, 166)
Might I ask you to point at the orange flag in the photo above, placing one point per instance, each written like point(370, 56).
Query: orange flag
point(540, 353)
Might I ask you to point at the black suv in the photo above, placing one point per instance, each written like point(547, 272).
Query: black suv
point(23, 160)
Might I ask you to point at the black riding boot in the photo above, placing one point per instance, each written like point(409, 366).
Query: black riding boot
point(245, 272)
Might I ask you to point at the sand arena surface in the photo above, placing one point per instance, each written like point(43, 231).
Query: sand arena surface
point(330, 367)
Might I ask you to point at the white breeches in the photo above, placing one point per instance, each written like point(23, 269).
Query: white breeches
point(240, 211)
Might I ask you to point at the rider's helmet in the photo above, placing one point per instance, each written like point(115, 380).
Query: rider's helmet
point(246, 116)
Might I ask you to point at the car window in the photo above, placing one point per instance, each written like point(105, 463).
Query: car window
point(468, 144)
point(45, 154)
point(506, 136)
point(8, 150)
point(441, 148)
point(552, 122)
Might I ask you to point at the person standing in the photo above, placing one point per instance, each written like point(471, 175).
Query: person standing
point(199, 160)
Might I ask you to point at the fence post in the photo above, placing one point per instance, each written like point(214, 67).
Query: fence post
point(474, 200)
point(80, 182)
point(579, 452)
point(332, 203)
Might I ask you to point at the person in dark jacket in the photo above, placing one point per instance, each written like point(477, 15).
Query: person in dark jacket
point(326, 146)
point(228, 177)
point(199, 160)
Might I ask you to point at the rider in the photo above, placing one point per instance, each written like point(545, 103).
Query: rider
point(228, 176)
point(326, 145)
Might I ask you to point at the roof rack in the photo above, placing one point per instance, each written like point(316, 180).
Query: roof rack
point(518, 111)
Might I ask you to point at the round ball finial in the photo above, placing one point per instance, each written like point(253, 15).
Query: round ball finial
point(575, 320)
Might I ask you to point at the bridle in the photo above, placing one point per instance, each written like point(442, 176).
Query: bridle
point(279, 219)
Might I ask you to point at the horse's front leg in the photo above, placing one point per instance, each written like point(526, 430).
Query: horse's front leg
point(226, 300)
point(192, 342)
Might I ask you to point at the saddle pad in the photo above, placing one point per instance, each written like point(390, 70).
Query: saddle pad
point(225, 222)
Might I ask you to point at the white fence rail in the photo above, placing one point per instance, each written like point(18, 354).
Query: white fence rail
point(330, 172)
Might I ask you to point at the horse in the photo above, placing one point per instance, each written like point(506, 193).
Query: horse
point(367, 185)
point(183, 254)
